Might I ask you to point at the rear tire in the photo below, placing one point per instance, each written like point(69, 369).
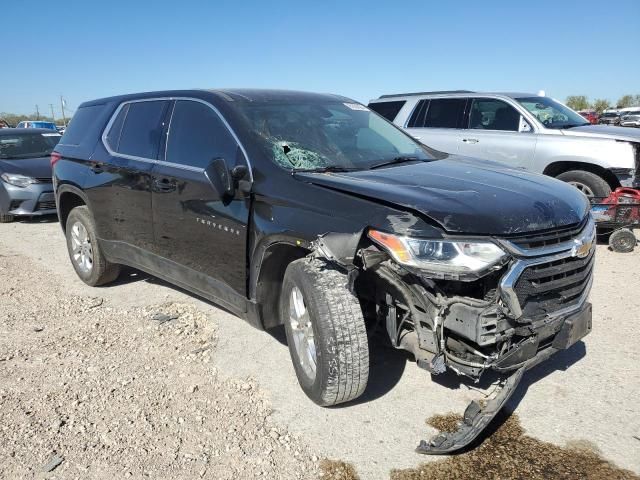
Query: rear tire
point(315, 294)
point(84, 250)
point(590, 184)
point(6, 218)
point(623, 240)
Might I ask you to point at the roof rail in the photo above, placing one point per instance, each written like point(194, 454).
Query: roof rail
point(424, 93)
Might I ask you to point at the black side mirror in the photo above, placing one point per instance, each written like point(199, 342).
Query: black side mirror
point(224, 181)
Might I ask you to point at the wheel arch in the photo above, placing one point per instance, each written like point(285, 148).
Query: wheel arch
point(69, 197)
point(267, 281)
point(556, 168)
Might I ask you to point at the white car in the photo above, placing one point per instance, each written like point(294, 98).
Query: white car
point(523, 130)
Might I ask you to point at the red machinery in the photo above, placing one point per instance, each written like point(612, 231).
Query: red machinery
point(617, 215)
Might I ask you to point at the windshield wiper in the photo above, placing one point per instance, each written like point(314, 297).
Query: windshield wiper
point(329, 168)
point(395, 160)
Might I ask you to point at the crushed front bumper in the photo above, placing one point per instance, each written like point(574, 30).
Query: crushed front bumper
point(476, 417)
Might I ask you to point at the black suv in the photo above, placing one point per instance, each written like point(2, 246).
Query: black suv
point(314, 212)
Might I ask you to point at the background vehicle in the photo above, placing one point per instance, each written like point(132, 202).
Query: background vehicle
point(37, 124)
point(4, 124)
point(522, 130)
point(609, 118)
point(590, 116)
point(619, 215)
point(630, 118)
point(312, 211)
point(25, 173)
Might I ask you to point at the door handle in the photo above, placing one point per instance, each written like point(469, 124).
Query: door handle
point(470, 140)
point(164, 184)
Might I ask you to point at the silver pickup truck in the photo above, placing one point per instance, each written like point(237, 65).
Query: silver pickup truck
point(523, 130)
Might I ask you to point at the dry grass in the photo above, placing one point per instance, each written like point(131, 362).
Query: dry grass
point(337, 470)
point(509, 454)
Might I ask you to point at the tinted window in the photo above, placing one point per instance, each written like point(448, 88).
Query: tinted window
point(490, 114)
point(445, 113)
point(197, 136)
point(388, 110)
point(82, 121)
point(113, 136)
point(142, 128)
point(417, 117)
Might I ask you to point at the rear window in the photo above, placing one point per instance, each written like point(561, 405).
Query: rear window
point(83, 121)
point(142, 129)
point(388, 110)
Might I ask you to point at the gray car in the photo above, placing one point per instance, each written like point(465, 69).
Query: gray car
point(630, 119)
point(25, 172)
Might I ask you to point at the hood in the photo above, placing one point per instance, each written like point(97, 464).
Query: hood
point(31, 167)
point(465, 195)
point(605, 131)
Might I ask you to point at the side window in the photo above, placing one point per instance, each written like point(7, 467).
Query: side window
point(197, 135)
point(491, 114)
point(113, 135)
point(388, 110)
point(445, 113)
point(417, 117)
point(142, 129)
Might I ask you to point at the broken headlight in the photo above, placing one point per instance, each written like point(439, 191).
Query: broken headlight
point(442, 256)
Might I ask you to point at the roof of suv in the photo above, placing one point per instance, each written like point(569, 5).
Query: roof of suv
point(455, 93)
point(232, 95)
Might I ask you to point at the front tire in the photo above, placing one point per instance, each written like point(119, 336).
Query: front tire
point(590, 184)
point(326, 332)
point(84, 251)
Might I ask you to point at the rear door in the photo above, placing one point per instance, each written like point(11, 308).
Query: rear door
point(195, 224)
point(496, 131)
point(438, 123)
point(119, 180)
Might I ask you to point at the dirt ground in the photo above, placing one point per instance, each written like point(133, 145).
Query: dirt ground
point(94, 383)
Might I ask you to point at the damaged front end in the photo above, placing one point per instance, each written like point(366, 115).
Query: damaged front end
point(498, 304)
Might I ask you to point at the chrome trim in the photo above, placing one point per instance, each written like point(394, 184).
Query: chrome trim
point(588, 233)
point(508, 281)
point(525, 258)
point(162, 162)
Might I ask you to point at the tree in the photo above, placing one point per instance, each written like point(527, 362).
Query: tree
point(577, 102)
point(625, 101)
point(15, 118)
point(600, 105)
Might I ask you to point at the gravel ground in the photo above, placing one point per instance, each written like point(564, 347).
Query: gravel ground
point(116, 393)
point(87, 376)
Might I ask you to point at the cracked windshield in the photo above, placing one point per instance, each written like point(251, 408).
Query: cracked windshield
point(330, 136)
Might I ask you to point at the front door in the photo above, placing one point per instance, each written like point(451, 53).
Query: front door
point(197, 226)
point(496, 131)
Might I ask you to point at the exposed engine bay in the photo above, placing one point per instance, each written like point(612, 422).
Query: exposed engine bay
point(507, 318)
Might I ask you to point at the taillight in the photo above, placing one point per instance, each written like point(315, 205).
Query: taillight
point(55, 156)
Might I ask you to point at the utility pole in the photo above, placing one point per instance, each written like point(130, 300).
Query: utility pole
point(37, 113)
point(53, 115)
point(64, 118)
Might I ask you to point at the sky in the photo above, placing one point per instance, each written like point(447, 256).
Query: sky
point(361, 49)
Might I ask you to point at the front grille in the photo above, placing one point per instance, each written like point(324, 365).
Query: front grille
point(549, 238)
point(550, 286)
point(50, 205)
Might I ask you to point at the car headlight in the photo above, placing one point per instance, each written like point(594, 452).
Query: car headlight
point(17, 180)
point(441, 256)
